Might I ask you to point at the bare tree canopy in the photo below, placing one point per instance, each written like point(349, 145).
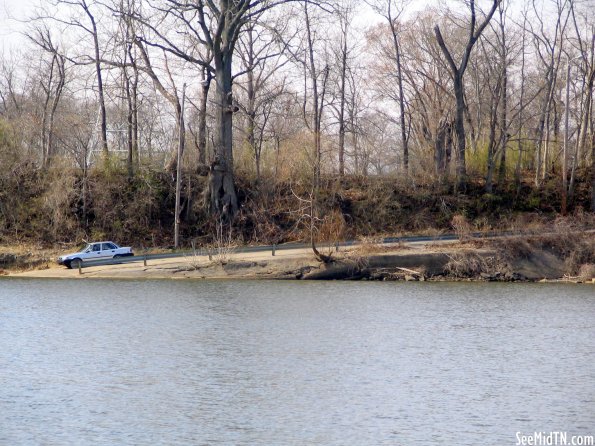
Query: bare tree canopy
point(306, 96)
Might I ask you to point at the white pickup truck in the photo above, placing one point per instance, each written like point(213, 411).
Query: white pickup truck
point(95, 251)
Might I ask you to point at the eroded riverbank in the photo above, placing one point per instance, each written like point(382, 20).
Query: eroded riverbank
point(508, 259)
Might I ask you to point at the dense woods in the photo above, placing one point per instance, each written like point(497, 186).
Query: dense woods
point(281, 119)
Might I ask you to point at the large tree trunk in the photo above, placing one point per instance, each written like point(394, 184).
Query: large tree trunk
point(461, 169)
point(129, 132)
point(103, 114)
point(503, 145)
point(492, 150)
point(202, 118)
point(129, 126)
point(342, 106)
point(135, 144)
point(443, 147)
point(504, 105)
point(133, 159)
point(404, 141)
point(131, 84)
point(540, 131)
point(517, 171)
point(44, 117)
point(222, 197)
point(251, 115)
point(315, 102)
point(593, 171)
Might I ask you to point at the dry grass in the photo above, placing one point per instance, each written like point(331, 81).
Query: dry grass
point(219, 252)
point(587, 272)
point(330, 232)
point(374, 245)
point(514, 247)
point(21, 256)
point(468, 264)
point(462, 227)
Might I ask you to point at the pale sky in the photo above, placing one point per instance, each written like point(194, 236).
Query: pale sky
point(13, 12)
point(9, 28)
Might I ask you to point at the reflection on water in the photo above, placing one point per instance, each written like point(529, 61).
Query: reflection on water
point(284, 363)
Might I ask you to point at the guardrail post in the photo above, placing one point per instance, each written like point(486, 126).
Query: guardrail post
point(337, 246)
point(80, 268)
point(274, 249)
point(145, 260)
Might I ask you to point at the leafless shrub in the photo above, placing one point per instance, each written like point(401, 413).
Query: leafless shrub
point(195, 259)
point(223, 245)
point(525, 223)
point(461, 226)
point(578, 252)
point(467, 264)
point(482, 224)
point(331, 231)
point(422, 220)
point(587, 271)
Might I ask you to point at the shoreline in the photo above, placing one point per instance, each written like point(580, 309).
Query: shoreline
point(470, 261)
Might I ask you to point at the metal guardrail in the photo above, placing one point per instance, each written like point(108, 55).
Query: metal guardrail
point(248, 249)
point(294, 245)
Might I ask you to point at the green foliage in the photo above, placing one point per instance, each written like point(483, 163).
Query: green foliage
point(8, 148)
point(534, 202)
point(477, 161)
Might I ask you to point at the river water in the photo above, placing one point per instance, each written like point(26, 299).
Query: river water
point(86, 362)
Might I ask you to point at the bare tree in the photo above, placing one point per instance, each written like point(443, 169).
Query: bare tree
point(82, 15)
point(52, 88)
point(171, 94)
point(504, 63)
point(586, 47)
point(457, 72)
point(205, 85)
point(494, 80)
point(392, 11)
point(9, 94)
point(549, 52)
point(261, 54)
point(198, 123)
point(318, 83)
point(130, 72)
point(343, 59)
point(429, 110)
point(521, 108)
point(496, 73)
point(217, 27)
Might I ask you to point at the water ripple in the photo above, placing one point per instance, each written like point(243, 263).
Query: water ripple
point(284, 363)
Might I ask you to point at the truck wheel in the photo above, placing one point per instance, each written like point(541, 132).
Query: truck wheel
point(117, 256)
point(75, 263)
